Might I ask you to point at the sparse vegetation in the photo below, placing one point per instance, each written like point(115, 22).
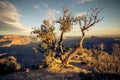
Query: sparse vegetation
point(8, 65)
point(62, 61)
point(55, 51)
point(103, 62)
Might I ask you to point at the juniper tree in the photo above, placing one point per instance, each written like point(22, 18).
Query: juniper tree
point(53, 48)
point(85, 22)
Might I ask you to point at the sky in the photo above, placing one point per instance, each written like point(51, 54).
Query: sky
point(19, 16)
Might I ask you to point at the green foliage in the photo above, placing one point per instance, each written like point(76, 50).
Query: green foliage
point(46, 35)
point(106, 63)
point(65, 25)
point(54, 49)
point(48, 40)
point(102, 62)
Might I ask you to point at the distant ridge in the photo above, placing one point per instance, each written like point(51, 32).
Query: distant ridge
point(9, 40)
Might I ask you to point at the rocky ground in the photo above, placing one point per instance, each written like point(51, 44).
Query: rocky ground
point(80, 68)
point(69, 72)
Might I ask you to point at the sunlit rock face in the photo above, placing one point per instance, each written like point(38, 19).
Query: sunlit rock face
point(9, 40)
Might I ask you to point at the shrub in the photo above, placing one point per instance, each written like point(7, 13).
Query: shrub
point(106, 63)
point(8, 65)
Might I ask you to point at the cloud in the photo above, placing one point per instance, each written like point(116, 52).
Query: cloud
point(84, 1)
point(10, 18)
point(45, 4)
point(37, 7)
point(51, 13)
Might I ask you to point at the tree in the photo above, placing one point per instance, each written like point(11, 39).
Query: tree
point(85, 22)
point(65, 26)
point(54, 49)
point(48, 40)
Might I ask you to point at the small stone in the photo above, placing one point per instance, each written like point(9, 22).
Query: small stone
point(26, 70)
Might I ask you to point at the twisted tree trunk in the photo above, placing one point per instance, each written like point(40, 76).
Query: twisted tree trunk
point(60, 48)
point(60, 42)
point(82, 39)
point(76, 50)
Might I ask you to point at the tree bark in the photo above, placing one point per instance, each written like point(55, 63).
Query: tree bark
point(70, 56)
point(76, 50)
point(82, 39)
point(60, 42)
point(60, 48)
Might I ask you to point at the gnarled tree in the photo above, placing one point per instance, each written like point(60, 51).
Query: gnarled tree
point(85, 22)
point(53, 48)
point(65, 26)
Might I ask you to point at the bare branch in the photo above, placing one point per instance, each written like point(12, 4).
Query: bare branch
point(90, 19)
